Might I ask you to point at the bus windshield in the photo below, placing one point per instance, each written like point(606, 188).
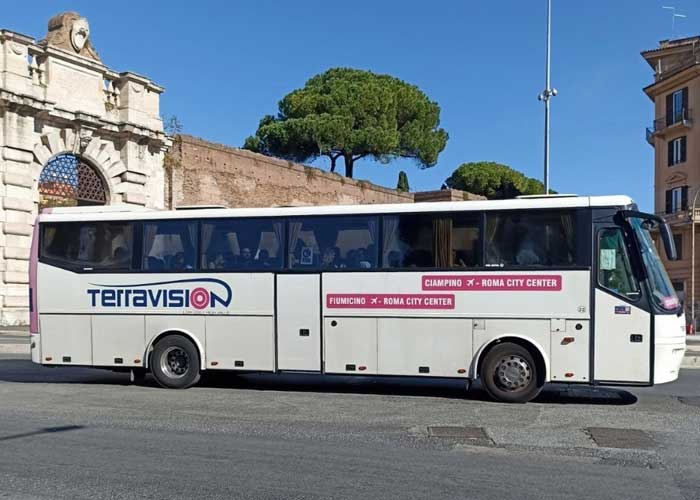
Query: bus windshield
point(662, 292)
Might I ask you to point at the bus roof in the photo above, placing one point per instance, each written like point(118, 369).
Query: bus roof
point(65, 214)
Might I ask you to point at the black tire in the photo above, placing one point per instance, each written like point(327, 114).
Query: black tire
point(509, 374)
point(175, 362)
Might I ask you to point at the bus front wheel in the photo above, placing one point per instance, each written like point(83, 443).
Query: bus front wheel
point(175, 362)
point(509, 374)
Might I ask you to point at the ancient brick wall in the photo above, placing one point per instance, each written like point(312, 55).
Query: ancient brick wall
point(201, 172)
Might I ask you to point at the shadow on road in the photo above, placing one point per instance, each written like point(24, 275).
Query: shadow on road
point(24, 371)
point(45, 430)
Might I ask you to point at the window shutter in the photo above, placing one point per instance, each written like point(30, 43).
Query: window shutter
point(684, 198)
point(685, 103)
point(670, 153)
point(683, 141)
point(669, 109)
point(668, 201)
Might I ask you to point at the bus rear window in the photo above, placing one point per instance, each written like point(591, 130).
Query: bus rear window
point(88, 245)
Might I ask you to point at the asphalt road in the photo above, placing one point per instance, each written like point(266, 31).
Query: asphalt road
point(80, 433)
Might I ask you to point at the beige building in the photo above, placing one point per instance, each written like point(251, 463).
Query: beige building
point(72, 132)
point(675, 136)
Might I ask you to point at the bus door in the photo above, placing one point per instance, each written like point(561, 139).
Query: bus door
point(298, 299)
point(622, 336)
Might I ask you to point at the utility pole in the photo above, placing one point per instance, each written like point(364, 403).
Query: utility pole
point(545, 96)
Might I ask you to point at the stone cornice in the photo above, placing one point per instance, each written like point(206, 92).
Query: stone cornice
point(672, 81)
point(8, 99)
point(16, 37)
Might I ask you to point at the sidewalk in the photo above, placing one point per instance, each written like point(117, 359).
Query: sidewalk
point(15, 340)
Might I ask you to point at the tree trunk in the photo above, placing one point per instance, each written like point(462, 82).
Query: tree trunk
point(333, 160)
point(349, 163)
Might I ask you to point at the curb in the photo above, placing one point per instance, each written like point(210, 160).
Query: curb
point(14, 348)
point(691, 360)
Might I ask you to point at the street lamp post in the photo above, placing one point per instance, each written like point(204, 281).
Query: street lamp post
point(545, 96)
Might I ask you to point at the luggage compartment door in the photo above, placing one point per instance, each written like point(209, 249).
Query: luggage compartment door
point(298, 322)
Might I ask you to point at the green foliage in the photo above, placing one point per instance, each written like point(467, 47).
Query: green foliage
point(351, 114)
point(493, 180)
point(402, 184)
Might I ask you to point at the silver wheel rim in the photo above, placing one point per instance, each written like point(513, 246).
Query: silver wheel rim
point(513, 373)
point(174, 362)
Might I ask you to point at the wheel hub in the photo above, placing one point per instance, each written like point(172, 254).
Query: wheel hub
point(175, 362)
point(513, 373)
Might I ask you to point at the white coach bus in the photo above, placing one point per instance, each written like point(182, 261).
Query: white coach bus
point(514, 292)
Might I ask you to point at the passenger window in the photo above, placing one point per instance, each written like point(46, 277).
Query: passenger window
point(520, 239)
point(456, 240)
point(169, 246)
point(408, 241)
point(239, 244)
point(94, 245)
point(333, 243)
point(614, 268)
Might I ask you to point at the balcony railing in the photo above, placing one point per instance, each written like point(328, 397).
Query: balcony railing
point(681, 117)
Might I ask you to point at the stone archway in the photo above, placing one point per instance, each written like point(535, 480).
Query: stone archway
point(68, 181)
point(87, 170)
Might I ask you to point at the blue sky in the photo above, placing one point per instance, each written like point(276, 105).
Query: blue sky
point(225, 64)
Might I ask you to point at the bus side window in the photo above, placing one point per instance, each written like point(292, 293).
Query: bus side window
point(241, 244)
point(348, 242)
point(614, 268)
point(520, 239)
point(169, 245)
point(408, 241)
point(456, 240)
point(89, 245)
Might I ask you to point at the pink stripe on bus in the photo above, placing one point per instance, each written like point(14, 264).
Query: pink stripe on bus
point(33, 263)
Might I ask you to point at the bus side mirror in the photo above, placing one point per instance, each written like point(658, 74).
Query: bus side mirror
point(667, 238)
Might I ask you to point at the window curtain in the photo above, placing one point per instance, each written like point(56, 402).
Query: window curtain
point(567, 223)
point(372, 226)
point(278, 228)
point(493, 255)
point(442, 241)
point(207, 233)
point(149, 238)
point(390, 237)
point(48, 237)
point(189, 244)
point(88, 239)
point(294, 232)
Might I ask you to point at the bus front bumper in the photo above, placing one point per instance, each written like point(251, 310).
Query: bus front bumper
point(668, 356)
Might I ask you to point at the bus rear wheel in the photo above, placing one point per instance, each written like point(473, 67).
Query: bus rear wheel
point(175, 362)
point(509, 374)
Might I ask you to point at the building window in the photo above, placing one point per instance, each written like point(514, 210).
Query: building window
point(678, 241)
point(676, 199)
point(676, 106)
point(677, 151)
